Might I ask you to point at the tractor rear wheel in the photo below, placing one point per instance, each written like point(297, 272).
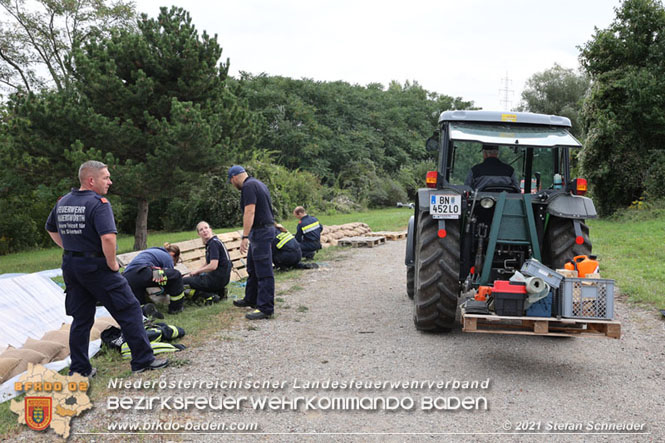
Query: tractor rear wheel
point(410, 281)
point(436, 271)
point(560, 245)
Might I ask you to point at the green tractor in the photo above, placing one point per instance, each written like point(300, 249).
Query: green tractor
point(469, 231)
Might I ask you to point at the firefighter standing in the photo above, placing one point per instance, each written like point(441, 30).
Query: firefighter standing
point(82, 224)
point(258, 232)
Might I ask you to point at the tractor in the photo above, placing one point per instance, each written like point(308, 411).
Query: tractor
point(464, 236)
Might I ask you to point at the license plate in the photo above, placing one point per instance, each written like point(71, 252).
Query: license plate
point(445, 206)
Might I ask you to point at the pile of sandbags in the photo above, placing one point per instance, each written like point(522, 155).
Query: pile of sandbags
point(331, 234)
point(53, 346)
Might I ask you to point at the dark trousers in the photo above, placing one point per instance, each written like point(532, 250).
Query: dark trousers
point(213, 282)
point(89, 280)
point(260, 289)
point(140, 279)
point(309, 249)
point(286, 259)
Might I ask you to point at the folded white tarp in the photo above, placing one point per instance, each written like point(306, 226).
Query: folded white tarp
point(30, 306)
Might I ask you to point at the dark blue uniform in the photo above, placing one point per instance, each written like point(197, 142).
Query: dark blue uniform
point(260, 289)
point(308, 234)
point(491, 167)
point(285, 250)
point(80, 218)
point(216, 280)
point(139, 275)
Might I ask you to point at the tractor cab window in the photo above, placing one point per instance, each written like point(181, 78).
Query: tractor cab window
point(541, 146)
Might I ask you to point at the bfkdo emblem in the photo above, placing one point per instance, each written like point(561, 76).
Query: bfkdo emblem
point(38, 412)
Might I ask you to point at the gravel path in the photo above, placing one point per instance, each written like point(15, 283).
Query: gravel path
point(351, 321)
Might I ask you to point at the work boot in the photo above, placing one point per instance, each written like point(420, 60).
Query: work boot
point(257, 315)
point(150, 311)
point(176, 310)
point(243, 304)
point(156, 364)
point(91, 374)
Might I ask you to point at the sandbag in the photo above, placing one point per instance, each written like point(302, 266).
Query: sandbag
point(7, 365)
point(61, 337)
point(24, 356)
point(49, 348)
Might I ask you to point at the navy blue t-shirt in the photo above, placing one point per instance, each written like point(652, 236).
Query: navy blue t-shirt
point(80, 218)
point(215, 250)
point(158, 257)
point(254, 192)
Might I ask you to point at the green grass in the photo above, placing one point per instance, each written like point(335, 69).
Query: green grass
point(632, 253)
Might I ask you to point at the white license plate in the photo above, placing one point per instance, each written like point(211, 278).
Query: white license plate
point(445, 206)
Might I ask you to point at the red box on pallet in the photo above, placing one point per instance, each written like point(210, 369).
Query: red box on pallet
point(509, 297)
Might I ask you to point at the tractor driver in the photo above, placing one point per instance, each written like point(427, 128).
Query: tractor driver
point(479, 175)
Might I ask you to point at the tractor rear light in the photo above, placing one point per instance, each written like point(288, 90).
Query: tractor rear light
point(442, 233)
point(431, 179)
point(579, 186)
point(579, 240)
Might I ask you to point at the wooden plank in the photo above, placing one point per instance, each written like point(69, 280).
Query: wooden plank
point(389, 235)
point(229, 236)
point(357, 242)
point(540, 326)
point(188, 245)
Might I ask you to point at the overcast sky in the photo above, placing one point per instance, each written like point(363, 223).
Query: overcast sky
point(463, 48)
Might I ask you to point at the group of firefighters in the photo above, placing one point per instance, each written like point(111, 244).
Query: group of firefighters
point(83, 225)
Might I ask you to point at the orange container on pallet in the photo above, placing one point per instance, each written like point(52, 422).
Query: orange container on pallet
point(583, 264)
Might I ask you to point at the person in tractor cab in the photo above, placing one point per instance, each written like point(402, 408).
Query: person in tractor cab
point(492, 172)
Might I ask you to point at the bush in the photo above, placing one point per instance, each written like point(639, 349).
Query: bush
point(385, 192)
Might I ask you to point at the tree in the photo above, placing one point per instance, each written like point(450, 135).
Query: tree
point(556, 91)
point(624, 115)
point(40, 39)
point(159, 99)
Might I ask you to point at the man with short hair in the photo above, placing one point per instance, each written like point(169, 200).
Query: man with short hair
point(258, 231)
point(491, 166)
point(308, 232)
point(82, 224)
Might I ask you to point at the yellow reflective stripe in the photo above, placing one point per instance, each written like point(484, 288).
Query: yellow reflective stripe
point(177, 297)
point(284, 239)
point(176, 333)
point(311, 227)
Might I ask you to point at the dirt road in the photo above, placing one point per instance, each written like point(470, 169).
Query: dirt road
point(351, 322)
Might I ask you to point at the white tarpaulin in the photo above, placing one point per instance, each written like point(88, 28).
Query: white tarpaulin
point(30, 306)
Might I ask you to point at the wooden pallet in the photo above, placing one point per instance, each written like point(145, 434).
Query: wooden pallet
point(389, 235)
point(564, 327)
point(358, 242)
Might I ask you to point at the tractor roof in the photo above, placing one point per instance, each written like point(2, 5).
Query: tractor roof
point(504, 117)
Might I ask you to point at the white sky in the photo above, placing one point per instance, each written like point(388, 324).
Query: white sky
point(462, 48)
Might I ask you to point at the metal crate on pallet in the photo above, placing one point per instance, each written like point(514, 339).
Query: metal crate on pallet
point(587, 298)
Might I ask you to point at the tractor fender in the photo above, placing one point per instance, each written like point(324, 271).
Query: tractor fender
point(572, 206)
point(409, 260)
